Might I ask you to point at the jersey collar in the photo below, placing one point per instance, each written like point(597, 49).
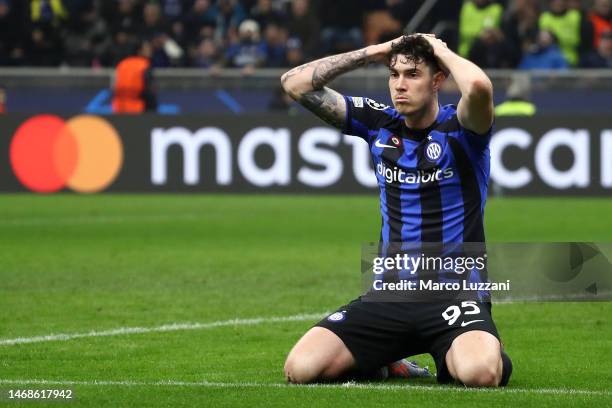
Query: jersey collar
point(419, 135)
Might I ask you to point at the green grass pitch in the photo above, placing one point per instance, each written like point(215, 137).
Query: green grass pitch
point(75, 264)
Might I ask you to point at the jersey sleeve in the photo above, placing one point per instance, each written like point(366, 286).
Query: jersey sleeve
point(474, 142)
point(478, 143)
point(364, 117)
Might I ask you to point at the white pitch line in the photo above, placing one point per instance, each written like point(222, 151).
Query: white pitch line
point(97, 219)
point(165, 328)
point(159, 329)
point(350, 385)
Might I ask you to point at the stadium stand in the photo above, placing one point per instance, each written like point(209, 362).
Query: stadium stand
point(227, 55)
point(206, 33)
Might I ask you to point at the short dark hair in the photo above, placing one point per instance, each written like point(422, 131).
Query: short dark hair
point(416, 49)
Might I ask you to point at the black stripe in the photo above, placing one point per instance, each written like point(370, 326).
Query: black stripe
point(473, 226)
point(431, 200)
point(450, 125)
point(348, 126)
point(381, 247)
point(431, 212)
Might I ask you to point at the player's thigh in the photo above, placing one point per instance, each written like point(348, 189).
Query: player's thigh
point(319, 354)
point(475, 353)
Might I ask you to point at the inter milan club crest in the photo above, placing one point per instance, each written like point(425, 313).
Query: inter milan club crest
point(433, 151)
point(395, 141)
point(337, 317)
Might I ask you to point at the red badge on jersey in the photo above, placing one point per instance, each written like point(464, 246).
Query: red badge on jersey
point(395, 140)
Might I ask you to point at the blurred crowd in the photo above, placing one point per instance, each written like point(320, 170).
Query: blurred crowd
point(247, 34)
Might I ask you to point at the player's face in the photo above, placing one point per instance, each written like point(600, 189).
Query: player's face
point(412, 86)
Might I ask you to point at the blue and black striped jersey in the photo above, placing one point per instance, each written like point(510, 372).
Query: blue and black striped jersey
point(433, 182)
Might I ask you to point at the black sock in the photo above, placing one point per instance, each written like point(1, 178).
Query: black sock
point(360, 375)
point(506, 369)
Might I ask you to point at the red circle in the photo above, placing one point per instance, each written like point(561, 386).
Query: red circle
point(34, 155)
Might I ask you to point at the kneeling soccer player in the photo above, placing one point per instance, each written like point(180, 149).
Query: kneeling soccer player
point(432, 167)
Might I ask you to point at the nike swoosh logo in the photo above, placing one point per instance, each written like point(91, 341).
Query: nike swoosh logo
point(463, 324)
point(378, 144)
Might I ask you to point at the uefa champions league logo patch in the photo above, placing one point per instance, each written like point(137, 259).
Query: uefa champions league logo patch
point(375, 105)
point(337, 317)
point(433, 151)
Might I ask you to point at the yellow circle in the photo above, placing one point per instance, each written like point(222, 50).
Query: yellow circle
point(100, 154)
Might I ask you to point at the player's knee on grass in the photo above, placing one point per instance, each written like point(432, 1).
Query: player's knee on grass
point(318, 356)
point(481, 372)
point(303, 370)
point(299, 370)
point(475, 360)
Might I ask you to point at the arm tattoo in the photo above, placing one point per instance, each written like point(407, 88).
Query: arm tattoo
point(326, 104)
point(328, 68)
point(294, 72)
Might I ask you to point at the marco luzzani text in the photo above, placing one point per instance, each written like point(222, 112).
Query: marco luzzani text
point(422, 263)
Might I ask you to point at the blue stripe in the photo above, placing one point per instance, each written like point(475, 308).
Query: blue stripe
point(384, 230)
point(101, 103)
point(452, 202)
point(359, 129)
point(383, 212)
point(410, 199)
point(229, 101)
point(480, 162)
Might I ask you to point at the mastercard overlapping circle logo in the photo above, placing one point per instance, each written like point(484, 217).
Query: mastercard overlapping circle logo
point(84, 154)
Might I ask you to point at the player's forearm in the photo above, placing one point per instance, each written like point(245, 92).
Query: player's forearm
point(316, 74)
point(471, 80)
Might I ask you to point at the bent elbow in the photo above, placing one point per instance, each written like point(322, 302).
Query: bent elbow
point(287, 84)
point(481, 88)
point(297, 81)
point(291, 87)
point(284, 79)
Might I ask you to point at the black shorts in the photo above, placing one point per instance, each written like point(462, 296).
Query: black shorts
point(379, 333)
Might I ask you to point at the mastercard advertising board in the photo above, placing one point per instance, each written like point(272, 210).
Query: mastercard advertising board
point(276, 153)
point(83, 154)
